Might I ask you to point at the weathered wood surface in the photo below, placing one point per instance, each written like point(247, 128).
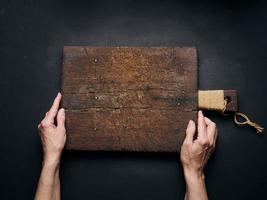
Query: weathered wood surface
point(128, 98)
point(231, 96)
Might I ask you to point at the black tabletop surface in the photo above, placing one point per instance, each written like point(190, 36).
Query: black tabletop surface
point(232, 46)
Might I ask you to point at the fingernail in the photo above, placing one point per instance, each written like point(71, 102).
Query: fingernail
point(190, 123)
point(62, 110)
point(200, 113)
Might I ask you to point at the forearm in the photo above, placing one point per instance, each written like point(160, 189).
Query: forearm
point(49, 183)
point(195, 186)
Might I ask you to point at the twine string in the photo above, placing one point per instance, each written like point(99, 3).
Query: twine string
point(247, 121)
point(225, 102)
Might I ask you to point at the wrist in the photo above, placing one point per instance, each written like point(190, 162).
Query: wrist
point(194, 174)
point(52, 167)
point(52, 162)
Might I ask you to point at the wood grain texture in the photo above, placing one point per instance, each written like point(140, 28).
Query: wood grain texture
point(231, 96)
point(128, 98)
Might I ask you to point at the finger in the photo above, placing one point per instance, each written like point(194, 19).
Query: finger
point(201, 127)
point(61, 119)
point(190, 131)
point(211, 130)
point(208, 121)
point(54, 108)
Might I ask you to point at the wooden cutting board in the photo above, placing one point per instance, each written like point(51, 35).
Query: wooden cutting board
point(128, 98)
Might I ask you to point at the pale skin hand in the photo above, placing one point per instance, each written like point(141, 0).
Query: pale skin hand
point(195, 153)
point(53, 137)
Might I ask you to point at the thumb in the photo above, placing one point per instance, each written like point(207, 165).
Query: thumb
point(190, 131)
point(61, 118)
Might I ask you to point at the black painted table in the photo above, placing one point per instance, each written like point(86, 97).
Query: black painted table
point(232, 46)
